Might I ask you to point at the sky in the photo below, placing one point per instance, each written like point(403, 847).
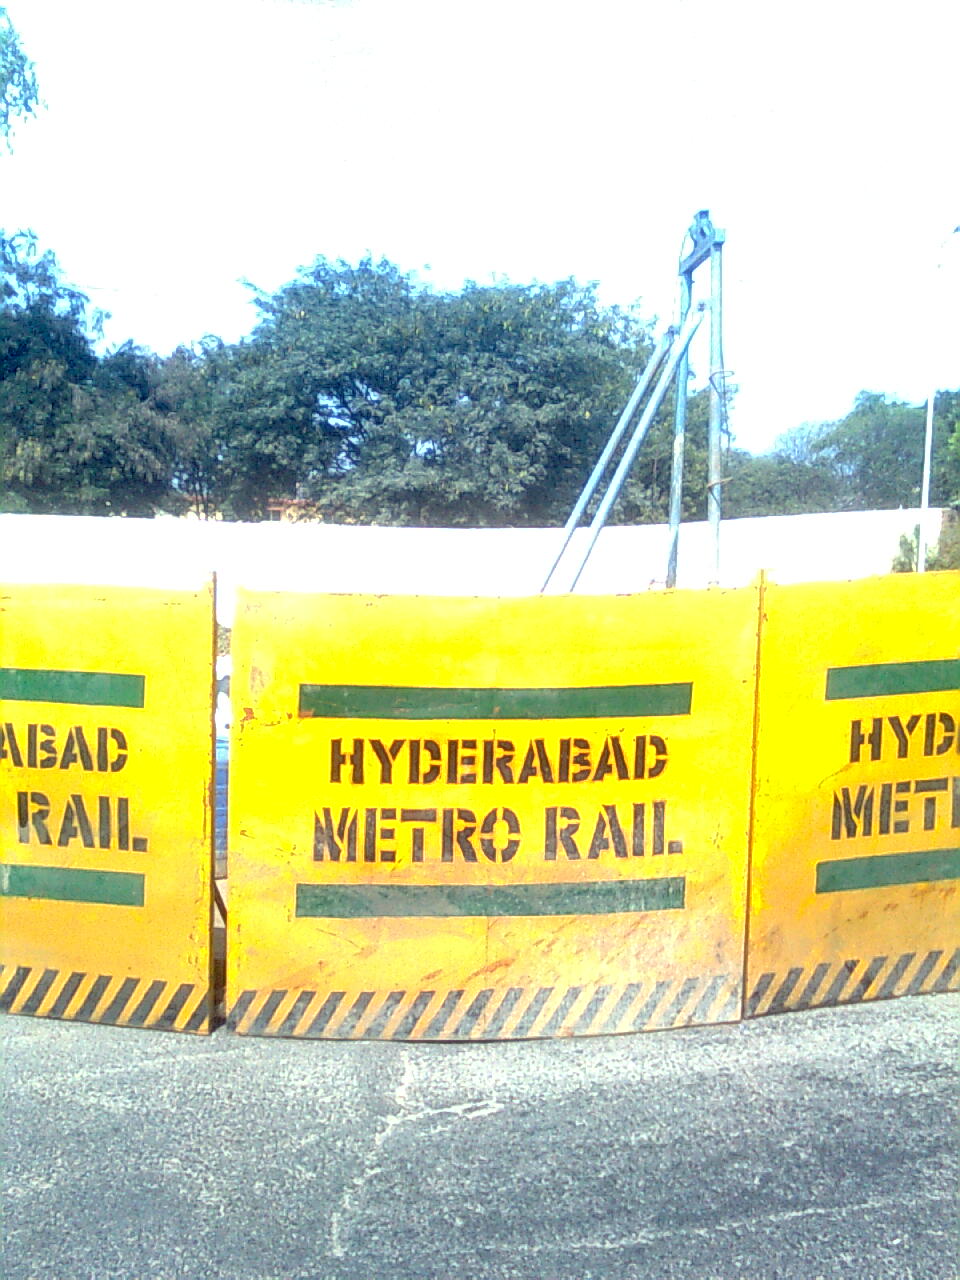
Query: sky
point(190, 145)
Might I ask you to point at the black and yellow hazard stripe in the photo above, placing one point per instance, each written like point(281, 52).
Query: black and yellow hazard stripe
point(850, 981)
point(102, 998)
point(487, 1013)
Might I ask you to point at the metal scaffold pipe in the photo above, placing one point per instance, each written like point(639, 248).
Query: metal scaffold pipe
point(706, 245)
point(679, 440)
point(640, 390)
point(714, 473)
point(677, 352)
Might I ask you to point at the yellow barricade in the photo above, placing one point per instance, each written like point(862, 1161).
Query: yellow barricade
point(105, 814)
point(854, 892)
point(476, 818)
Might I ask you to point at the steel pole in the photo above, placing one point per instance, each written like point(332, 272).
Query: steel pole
point(714, 476)
point(925, 485)
point(928, 430)
point(640, 390)
point(679, 438)
point(680, 346)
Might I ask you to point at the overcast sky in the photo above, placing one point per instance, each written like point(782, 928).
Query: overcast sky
point(189, 144)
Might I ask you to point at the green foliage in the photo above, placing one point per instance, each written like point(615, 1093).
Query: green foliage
point(870, 460)
point(77, 434)
point(190, 391)
point(905, 560)
point(646, 493)
point(946, 554)
point(364, 396)
point(876, 453)
point(784, 482)
point(945, 477)
point(380, 401)
point(19, 95)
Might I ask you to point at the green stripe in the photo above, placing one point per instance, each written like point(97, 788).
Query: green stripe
point(86, 688)
point(386, 702)
point(883, 678)
point(614, 897)
point(888, 869)
point(62, 884)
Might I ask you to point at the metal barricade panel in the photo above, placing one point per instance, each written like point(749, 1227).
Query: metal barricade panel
point(105, 804)
point(482, 818)
point(856, 848)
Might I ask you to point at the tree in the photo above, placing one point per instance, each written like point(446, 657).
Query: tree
point(754, 486)
point(945, 488)
point(19, 94)
point(876, 453)
point(504, 398)
point(945, 555)
point(377, 399)
point(77, 434)
point(869, 460)
point(945, 470)
point(191, 388)
point(793, 479)
point(646, 493)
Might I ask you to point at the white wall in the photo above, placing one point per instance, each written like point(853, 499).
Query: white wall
point(354, 558)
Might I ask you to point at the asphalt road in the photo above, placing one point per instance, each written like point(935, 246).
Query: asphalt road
point(806, 1146)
